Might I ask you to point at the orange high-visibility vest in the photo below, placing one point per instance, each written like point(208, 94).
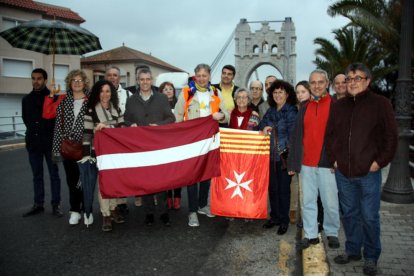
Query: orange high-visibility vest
point(214, 105)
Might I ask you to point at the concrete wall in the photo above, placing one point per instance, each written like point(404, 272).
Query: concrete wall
point(21, 85)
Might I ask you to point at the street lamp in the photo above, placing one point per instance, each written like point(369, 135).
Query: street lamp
point(398, 187)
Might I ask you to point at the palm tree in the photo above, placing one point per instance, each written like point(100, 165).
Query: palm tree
point(354, 46)
point(380, 21)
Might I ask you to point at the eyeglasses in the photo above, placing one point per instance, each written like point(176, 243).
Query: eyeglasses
point(242, 98)
point(255, 88)
point(356, 79)
point(77, 81)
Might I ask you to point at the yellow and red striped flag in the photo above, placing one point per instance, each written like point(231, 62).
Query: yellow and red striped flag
point(241, 190)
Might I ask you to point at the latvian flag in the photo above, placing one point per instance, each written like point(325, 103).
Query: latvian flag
point(145, 160)
point(241, 190)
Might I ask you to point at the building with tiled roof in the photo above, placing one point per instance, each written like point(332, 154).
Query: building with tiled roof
point(127, 59)
point(16, 64)
point(47, 11)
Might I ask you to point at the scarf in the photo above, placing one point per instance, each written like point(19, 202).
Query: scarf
point(194, 87)
point(236, 113)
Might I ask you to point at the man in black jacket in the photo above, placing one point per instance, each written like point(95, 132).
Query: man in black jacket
point(362, 138)
point(39, 137)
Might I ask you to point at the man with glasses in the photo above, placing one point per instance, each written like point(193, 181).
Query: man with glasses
point(362, 138)
point(308, 156)
point(258, 104)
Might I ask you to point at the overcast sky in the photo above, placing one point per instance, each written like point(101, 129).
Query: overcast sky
point(185, 33)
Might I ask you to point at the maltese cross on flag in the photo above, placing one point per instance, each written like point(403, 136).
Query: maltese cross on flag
point(241, 190)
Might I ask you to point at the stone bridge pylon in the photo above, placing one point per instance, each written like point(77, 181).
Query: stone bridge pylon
point(265, 46)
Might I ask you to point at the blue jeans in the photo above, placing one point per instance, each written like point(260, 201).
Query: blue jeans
point(316, 179)
point(359, 199)
point(279, 193)
point(198, 197)
point(36, 163)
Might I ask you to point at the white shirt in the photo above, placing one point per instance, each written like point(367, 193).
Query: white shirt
point(123, 96)
point(204, 100)
point(77, 105)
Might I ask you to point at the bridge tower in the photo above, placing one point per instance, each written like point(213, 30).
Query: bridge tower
point(265, 46)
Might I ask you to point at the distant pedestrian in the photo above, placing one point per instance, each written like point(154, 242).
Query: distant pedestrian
point(39, 138)
point(362, 138)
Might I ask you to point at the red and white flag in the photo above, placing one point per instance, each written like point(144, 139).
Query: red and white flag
point(241, 190)
point(144, 160)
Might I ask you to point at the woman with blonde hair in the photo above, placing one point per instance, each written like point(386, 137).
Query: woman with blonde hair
point(69, 125)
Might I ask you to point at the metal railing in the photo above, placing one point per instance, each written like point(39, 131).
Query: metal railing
point(11, 126)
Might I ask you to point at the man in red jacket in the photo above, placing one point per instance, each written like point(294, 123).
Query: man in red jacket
point(361, 139)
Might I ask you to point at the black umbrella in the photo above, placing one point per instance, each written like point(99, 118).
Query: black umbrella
point(88, 176)
point(52, 37)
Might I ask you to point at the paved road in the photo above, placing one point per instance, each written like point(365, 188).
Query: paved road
point(45, 245)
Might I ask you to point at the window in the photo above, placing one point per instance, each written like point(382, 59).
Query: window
point(17, 68)
point(9, 23)
point(61, 71)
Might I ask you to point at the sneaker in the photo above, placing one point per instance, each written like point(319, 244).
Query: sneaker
point(193, 220)
point(74, 218)
point(57, 212)
point(149, 220)
point(107, 224)
point(370, 267)
point(205, 211)
point(345, 258)
point(177, 203)
point(116, 216)
point(305, 243)
point(165, 218)
point(88, 220)
point(333, 242)
point(138, 201)
point(36, 209)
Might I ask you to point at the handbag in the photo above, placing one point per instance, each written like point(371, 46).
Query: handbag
point(69, 148)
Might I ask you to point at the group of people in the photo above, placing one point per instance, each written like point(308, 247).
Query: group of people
point(336, 144)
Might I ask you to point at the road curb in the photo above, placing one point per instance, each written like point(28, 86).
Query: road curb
point(12, 146)
point(314, 259)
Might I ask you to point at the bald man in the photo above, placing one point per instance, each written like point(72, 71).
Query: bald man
point(258, 104)
point(339, 86)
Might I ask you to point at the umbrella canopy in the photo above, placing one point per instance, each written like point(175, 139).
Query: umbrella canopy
point(52, 37)
point(88, 176)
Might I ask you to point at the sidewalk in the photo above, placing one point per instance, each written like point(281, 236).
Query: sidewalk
point(12, 143)
point(397, 238)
